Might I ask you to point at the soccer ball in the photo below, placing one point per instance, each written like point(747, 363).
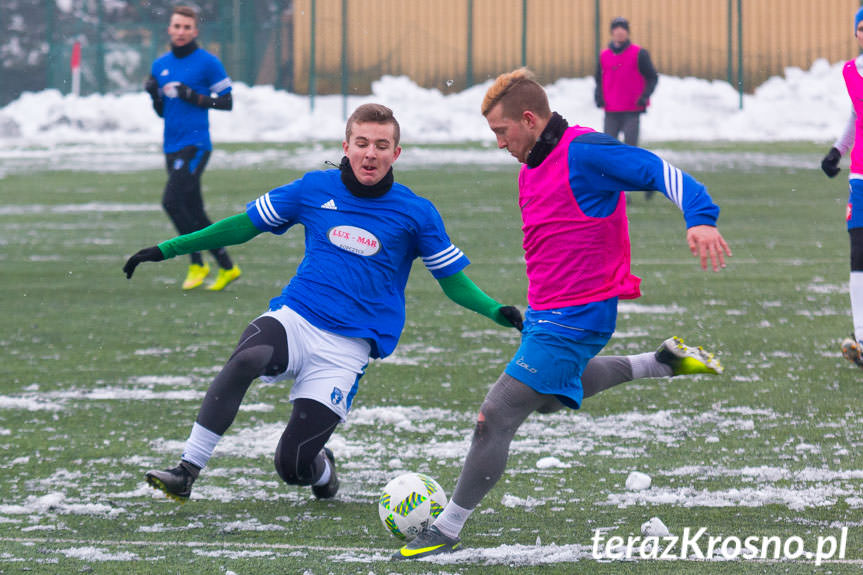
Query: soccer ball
point(409, 503)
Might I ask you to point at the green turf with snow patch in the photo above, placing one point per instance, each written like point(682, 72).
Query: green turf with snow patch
point(102, 379)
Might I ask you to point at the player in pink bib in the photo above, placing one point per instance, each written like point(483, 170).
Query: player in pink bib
point(625, 80)
point(852, 72)
point(577, 255)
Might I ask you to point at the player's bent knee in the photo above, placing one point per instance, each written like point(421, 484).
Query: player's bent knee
point(287, 474)
point(262, 349)
point(252, 361)
point(494, 418)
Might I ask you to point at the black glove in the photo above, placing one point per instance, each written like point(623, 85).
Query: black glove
point(599, 102)
point(830, 163)
point(152, 87)
point(153, 254)
point(513, 316)
point(187, 94)
point(642, 102)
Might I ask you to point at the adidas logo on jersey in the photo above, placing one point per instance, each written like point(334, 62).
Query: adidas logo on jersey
point(330, 205)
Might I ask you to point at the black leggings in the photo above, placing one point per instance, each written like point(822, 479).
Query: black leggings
point(300, 459)
point(183, 201)
point(856, 236)
point(263, 350)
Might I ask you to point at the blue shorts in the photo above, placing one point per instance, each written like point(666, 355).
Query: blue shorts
point(552, 363)
point(854, 214)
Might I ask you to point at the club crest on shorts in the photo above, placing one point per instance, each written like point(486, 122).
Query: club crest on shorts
point(336, 396)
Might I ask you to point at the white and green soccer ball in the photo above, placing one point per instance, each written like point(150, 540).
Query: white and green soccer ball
point(409, 503)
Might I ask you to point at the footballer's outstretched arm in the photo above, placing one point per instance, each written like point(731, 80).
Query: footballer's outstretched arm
point(611, 166)
point(461, 289)
point(233, 230)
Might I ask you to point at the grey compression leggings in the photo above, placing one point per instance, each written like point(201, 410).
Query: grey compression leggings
point(506, 406)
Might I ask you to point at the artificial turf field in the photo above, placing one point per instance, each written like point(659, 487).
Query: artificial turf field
point(102, 379)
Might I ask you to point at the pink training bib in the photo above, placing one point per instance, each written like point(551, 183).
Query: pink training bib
point(572, 259)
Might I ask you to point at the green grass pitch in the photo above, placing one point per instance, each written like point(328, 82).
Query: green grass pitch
point(102, 379)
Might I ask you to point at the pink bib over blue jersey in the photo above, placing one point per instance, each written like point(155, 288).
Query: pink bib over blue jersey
point(572, 259)
point(854, 82)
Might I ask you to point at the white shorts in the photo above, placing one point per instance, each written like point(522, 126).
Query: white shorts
point(325, 366)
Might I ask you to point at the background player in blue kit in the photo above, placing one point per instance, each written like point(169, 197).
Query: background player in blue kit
point(344, 305)
point(180, 84)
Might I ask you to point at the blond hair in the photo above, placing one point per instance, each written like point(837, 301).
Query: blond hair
point(517, 91)
point(377, 113)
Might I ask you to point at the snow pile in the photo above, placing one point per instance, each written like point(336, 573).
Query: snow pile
point(803, 105)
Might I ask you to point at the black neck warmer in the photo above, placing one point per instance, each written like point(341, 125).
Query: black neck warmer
point(183, 51)
point(359, 189)
point(618, 48)
point(547, 140)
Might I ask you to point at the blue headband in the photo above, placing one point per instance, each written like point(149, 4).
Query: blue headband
point(857, 18)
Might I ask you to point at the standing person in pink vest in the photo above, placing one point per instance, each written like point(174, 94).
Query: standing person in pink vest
point(577, 256)
point(625, 79)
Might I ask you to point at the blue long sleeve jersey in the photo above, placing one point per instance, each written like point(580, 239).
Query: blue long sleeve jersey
point(601, 167)
point(358, 254)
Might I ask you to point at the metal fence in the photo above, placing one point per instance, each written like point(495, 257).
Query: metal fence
point(341, 46)
point(119, 40)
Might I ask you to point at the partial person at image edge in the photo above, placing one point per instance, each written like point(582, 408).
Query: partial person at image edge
point(851, 347)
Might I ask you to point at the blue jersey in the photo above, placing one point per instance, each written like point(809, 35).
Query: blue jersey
point(358, 254)
point(187, 124)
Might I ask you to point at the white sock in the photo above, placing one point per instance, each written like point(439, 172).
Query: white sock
point(200, 445)
point(855, 286)
point(325, 476)
point(452, 519)
point(645, 365)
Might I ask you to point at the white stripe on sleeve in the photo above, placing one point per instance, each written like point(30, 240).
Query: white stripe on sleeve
point(267, 212)
point(221, 85)
point(673, 183)
point(443, 258)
